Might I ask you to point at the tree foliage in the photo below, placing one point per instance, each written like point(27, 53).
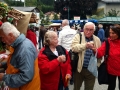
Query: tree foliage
point(41, 14)
point(55, 17)
point(44, 5)
point(45, 21)
point(14, 3)
point(112, 13)
point(47, 2)
point(46, 8)
point(76, 8)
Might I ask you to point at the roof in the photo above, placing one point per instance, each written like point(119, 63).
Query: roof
point(110, 20)
point(111, 1)
point(75, 21)
point(27, 9)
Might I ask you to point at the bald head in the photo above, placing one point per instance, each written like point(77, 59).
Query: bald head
point(65, 22)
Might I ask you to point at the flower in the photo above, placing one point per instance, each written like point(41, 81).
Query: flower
point(3, 9)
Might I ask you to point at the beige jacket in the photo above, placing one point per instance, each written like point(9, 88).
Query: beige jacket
point(80, 48)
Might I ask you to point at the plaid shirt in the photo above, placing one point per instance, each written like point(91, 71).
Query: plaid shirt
point(88, 54)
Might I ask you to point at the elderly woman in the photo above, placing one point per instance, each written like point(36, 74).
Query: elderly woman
point(54, 64)
point(113, 61)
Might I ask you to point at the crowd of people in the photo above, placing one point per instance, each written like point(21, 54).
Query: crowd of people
point(48, 66)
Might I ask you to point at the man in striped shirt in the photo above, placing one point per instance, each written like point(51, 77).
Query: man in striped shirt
point(84, 50)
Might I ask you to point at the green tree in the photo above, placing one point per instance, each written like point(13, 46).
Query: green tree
point(47, 2)
point(46, 8)
point(47, 20)
point(42, 21)
point(30, 3)
point(14, 3)
point(41, 14)
point(44, 5)
point(112, 13)
point(55, 17)
point(75, 8)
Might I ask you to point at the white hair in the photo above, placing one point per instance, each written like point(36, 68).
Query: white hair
point(100, 26)
point(89, 23)
point(65, 22)
point(9, 28)
point(49, 36)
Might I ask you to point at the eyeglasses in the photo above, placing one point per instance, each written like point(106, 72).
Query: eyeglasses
point(89, 30)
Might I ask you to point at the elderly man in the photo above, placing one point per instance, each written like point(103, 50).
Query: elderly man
point(84, 49)
point(66, 35)
point(22, 66)
point(101, 33)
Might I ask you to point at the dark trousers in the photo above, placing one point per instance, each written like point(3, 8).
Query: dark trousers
point(112, 82)
point(41, 40)
point(72, 79)
point(87, 77)
point(61, 86)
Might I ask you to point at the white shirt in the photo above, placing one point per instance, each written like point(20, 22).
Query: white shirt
point(65, 37)
point(37, 33)
point(55, 52)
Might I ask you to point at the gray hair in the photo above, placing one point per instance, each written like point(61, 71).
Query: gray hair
point(48, 37)
point(89, 23)
point(100, 26)
point(65, 22)
point(9, 28)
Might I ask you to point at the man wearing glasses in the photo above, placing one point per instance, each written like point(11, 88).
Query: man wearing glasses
point(84, 49)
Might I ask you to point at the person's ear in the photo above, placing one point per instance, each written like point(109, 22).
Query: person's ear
point(47, 40)
point(11, 35)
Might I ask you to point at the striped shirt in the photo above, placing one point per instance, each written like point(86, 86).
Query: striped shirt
point(87, 54)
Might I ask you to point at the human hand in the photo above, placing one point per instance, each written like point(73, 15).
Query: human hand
point(61, 58)
point(3, 59)
point(94, 49)
point(68, 76)
point(89, 45)
point(3, 56)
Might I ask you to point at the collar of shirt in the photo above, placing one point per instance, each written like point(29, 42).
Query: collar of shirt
point(65, 27)
point(89, 39)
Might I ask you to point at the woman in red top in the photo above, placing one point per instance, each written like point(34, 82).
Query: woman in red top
point(32, 36)
point(54, 64)
point(113, 61)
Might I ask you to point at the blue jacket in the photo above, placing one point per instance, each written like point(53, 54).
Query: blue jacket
point(101, 35)
point(23, 59)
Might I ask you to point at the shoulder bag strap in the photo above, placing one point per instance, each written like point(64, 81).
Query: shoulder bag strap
point(80, 37)
point(107, 49)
